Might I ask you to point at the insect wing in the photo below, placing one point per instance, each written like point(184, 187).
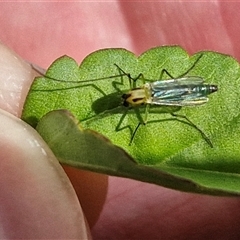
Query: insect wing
point(178, 92)
point(171, 83)
point(176, 102)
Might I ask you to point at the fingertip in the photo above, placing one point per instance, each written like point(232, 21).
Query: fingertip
point(16, 76)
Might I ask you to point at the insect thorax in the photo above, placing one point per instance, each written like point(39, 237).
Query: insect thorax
point(137, 96)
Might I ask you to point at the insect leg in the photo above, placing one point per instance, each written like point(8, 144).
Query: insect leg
point(132, 81)
point(118, 127)
point(134, 133)
point(183, 74)
point(141, 121)
point(165, 71)
point(195, 126)
point(194, 64)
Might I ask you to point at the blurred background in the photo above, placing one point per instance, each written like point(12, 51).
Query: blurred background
point(40, 32)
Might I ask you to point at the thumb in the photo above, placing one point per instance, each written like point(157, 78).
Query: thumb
point(36, 197)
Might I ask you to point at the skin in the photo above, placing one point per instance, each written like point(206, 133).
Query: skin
point(41, 32)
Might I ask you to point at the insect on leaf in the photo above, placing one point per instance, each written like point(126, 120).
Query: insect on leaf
point(172, 145)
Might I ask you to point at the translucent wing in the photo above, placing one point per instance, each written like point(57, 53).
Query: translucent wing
point(177, 82)
point(185, 91)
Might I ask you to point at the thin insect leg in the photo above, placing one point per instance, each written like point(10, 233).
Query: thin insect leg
point(141, 121)
point(132, 81)
point(165, 71)
point(193, 66)
point(140, 76)
point(123, 73)
point(103, 78)
point(134, 133)
point(118, 127)
point(146, 113)
point(195, 126)
point(183, 74)
point(42, 73)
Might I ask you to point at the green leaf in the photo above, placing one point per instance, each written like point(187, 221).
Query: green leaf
point(167, 144)
point(90, 150)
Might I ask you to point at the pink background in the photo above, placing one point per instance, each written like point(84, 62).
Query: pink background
point(41, 32)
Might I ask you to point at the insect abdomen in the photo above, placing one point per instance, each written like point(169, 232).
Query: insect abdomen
point(205, 90)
